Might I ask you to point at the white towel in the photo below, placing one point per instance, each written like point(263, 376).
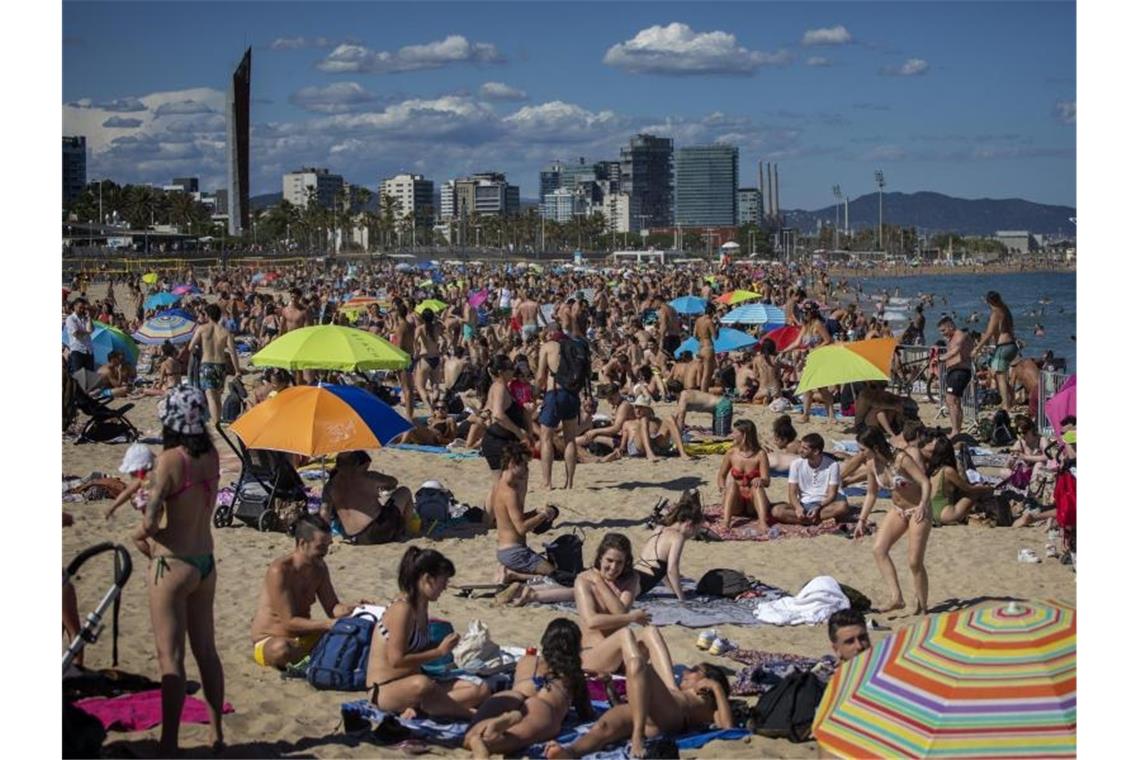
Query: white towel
point(814, 604)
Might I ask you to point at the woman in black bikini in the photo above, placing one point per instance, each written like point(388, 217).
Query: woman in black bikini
point(660, 557)
point(182, 578)
point(426, 359)
point(401, 646)
point(546, 687)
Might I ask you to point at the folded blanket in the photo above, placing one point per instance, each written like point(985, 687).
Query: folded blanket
point(814, 604)
point(451, 734)
point(142, 710)
point(749, 530)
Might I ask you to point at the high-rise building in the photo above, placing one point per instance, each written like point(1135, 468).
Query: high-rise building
point(549, 179)
point(647, 177)
point(558, 206)
point(615, 207)
point(747, 206)
point(189, 185)
point(706, 178)
point(447, 201)
point(413, 195)
point(484, 194)
point(237, 146)
point(579, 173)
point(74, 168)
point(295, 187)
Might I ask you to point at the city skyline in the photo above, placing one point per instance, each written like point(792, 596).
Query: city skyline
point(830, 91)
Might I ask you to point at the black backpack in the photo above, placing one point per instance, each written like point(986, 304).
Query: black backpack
point(787, 711)
point(1002, 434)
point(573, 371)
point(565, 553)
point(723, 582)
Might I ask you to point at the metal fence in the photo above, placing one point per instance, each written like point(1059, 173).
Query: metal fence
point(1048, 386)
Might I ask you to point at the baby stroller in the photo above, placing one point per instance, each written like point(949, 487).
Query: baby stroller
point(268, 495)
point(82, 734)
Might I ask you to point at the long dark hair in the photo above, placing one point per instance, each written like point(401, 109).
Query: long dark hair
point(416, 564)
point(941, 456)
point(782, 428)
point(562, 651)
point(873, 439)
point(196, 444)
point(687, 510)
point(748, 428)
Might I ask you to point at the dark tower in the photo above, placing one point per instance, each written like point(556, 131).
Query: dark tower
point(237, 147)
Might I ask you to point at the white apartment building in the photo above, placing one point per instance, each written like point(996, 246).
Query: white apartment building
point(413, 195)
point(295, 186)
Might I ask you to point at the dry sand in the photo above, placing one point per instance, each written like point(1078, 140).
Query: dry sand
point(287, 717)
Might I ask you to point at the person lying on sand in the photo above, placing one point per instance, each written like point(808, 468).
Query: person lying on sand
point(370, 506)
point(533, 710)
point(658, 705)
point(282, 630)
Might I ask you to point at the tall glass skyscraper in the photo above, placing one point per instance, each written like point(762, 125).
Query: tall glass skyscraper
point(647, 177)
point(706, 180)
point(237, 147)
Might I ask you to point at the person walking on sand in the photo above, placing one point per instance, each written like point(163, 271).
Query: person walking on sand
point(182, 577)
point(216, 342)
point(999, 329)
point(958, 369)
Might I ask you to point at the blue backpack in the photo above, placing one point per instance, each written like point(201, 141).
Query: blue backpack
point(339, 661)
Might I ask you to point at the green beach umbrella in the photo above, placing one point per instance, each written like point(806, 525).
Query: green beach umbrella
point(331, 347)
point(431, 303)
point(841, 363)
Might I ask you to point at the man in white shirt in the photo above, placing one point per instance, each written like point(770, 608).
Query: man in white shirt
point(79, 327)
point(814, 494)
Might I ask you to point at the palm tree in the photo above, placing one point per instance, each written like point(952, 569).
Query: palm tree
point(387, 222)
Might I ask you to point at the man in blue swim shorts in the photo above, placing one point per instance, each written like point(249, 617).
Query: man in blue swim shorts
point(564, 372)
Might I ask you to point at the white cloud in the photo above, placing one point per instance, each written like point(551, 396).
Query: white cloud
point(300, 43)
point(677, 50)
point(1065, 111)
point(118, 105)
point(453, 49)
point(338, 97)
point(120, 122)
point(501, 91)
point(830, 35)
point(182, 108)
point(817, 60)
point(561, 122)
point(910, 68)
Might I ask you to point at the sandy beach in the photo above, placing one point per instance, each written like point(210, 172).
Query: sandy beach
point(276, 717)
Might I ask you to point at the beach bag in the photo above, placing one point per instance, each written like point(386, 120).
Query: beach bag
point(1002, 434)
point(565, 553)
point(83, 733)
point(476, 647)
point(433, 502)
point(573, 371)
point(788, 709)
point(722, 417)
point(1065, 498)
point(339, 661)
point(859, 601)
point(438, 630)
point(723, 582)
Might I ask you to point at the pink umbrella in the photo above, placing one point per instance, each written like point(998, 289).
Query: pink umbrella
point(181, 290)
point(1063, 404)
point(477, 299)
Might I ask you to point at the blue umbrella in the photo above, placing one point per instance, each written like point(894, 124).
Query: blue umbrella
point(181, 313)
point(161, 300)
point(165, 327)
point(728, 340)
point(755, 314)
point(689, 305)
point(105, 339)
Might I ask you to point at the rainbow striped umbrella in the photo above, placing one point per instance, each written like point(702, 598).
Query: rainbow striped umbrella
point(165, 327)
point(995, 680)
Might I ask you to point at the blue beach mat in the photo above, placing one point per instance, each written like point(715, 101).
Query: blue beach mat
point(439, 450)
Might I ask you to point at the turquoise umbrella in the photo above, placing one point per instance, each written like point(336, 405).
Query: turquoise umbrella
point(689, 305)
point(727, 340)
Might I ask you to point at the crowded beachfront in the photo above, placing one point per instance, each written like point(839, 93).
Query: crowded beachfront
point(558, 510)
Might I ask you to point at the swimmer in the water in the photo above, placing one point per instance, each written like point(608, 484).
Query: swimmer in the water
point(1038, 330)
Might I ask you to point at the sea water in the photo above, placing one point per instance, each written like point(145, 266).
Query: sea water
point(964, 295)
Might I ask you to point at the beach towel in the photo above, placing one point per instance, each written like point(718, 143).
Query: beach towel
point(814, 604)
point(698, 611)
point(763, 670)
point(451, 734)
point(749, 530)
point(456, 454)
point(845, 447)
point(142, 710)
point(884, 493)
point(698, 448)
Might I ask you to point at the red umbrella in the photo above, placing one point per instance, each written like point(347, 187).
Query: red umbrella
point(783, 336)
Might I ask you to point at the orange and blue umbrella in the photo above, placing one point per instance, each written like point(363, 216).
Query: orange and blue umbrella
point(318, 420)
point(996, 680)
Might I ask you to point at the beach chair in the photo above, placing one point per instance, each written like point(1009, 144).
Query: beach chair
point(104, 424)
point(267, 482)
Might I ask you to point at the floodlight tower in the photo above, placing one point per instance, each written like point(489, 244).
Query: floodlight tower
point(881, 182)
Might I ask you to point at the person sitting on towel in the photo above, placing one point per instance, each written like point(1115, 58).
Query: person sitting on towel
point(814, 492)
point(370, 506)
point(282, 631)
point(517, 561)
point(658, 705)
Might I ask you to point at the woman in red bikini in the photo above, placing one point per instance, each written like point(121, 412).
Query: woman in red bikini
point(182, 578)
point(743, 476)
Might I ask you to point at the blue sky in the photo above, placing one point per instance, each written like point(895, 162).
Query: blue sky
point(970, 99)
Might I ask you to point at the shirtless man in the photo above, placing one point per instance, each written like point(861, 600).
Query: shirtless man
point(668, 324)
point(999, 329)
point(958, 369)
point(518, 561)
point(1026, 373)
point(282, 631)
point(116, 375)
point(215, 342)
point(470, 324)
point(404, 337)
point(560, 406)
point(371, 506)
point(769, 385)
point(528, 313)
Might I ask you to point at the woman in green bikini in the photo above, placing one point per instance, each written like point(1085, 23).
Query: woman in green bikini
point(182, 578)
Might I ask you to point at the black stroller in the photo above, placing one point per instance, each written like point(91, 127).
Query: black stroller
point(82, 734)
point(267, 480)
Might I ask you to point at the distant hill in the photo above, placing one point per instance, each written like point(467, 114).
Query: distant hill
point(257, 202)
point(935, 212)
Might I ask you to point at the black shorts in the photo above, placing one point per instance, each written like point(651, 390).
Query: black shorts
point(493, 449)
point(671, 343)
point(957, 380)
